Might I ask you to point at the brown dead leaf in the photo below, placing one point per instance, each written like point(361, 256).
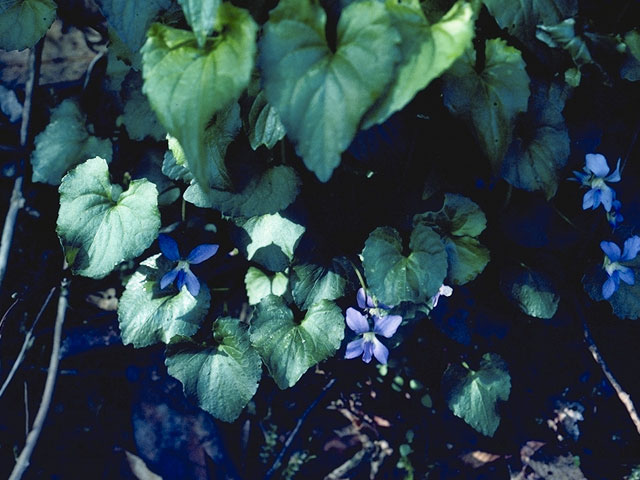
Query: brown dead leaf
point(477, 458)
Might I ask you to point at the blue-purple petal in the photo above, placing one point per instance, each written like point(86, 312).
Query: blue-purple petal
point(180, 280)
point(615, 176)
point(193, 285)
point(609, 287)
point(367, 351)
point(606, 197)
point(169, 247)
point(597, 163)
point(356, 321)
point(587, 200)
point(626, 275)
point(168, 278)
point(386, 326)
point(361, 297)
point(354, 349)
point(380, 351)
point(202, 253)
point(631, 248)
point(611, 250)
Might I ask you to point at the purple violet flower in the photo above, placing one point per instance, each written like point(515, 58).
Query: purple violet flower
point(368, 345)
point(614, 217)
point(181, 273)
point(595, 178)
point(611, 265)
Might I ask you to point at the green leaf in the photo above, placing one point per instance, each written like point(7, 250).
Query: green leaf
point(625, 300)
point(186, 85)
point(289, 349)
point(322, 95)
point(270, 191)
point(149, 315)
point(395, 278)
point(222, 378)
point(563, 35)
point(265, 127)
point(531, 291)
point(138, 118)
point(100, 225)
point(490, 99)
point(311, 283)
point(130, 20)
point(458, 222)
point(521, 17)
point(260, 285)
point(24, 22)
point(65, 143)
point(541, 146)
point(427, 51)
point(270, 240)
point(630, 70)
point(473, 395)
point(173, 168)
point(201, 17)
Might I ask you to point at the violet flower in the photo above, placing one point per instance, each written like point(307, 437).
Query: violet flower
point(445, 291)
point(614, 217)
point(611, 265)
point(368, 345)
point(181, 273)
point(595, 178)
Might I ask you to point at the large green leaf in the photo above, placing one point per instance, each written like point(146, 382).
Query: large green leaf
point(427, 51)
point(65, 143)
point(265, 127)
point(260, 285)
point(563, 35)
point(531, 291)
point(100, 225)
point(322, 95)
point(24, 22)
point(222, 378)
point(541, 145)
point(186, 85)
point(270, 240)
point(489, 99)
point(289, 349)
point(149, 315)
point(311, 283)
point(520, 17)
point(458, 222)
point(473, 395)
point(395, 278)
point(201, 16)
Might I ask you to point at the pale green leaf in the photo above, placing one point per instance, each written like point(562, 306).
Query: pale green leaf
point(490, 99)
point(311, 283)
point(64, 143)
point(289, 349)
point(24, 22)
point(201, 16)
point(394, 278)
point(427, 51)
point(186, 85)
point(99, 225)
point(531, 291)
point(149, 315)
point(138, 118)
point(259, 284)
point(322, 95)
point(473, 395)
point(265, 127)
point(222, 378)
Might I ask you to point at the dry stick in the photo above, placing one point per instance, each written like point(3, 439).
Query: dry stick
point(295, 430)
point(26, 410)
point(25, 344)
point(17, 199)
point(32, 439)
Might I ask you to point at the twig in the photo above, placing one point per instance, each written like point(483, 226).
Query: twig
point(25, 345)
point(26, 410)
point(17, 200)
point(295, 430)
point(6, 314)
point(32, 439)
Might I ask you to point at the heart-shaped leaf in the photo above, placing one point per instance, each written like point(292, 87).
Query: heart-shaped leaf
point(24, 22)
point(201, 16)
point(531, 291)
point(260, 285)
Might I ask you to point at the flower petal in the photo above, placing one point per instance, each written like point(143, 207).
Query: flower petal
point(597, 194)
point(587, 200)
point(608, 288)
point(607, 198)
point(354, 349)
point(169, 247)
point(168, 278)
point(380, 351)
point(611, 250)
point(615, 176)
point(202, 253)
point(361, 297)
point(386, 326)
point(193, 285)
point(367, 346)
point(356, 321)
point(631, 248)
point(626, 275)
point(180, 281)
point(597, 163)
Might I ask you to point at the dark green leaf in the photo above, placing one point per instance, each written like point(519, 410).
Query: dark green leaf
point(265, 127)
point(531, 291)
point(312, 283)
point(24, 22)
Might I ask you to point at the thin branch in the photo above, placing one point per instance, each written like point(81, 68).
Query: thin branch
point(17, 199)
point(32, 439)
point(295, 430)
point(6, 314)
point(26, 410)
point(25, 345)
